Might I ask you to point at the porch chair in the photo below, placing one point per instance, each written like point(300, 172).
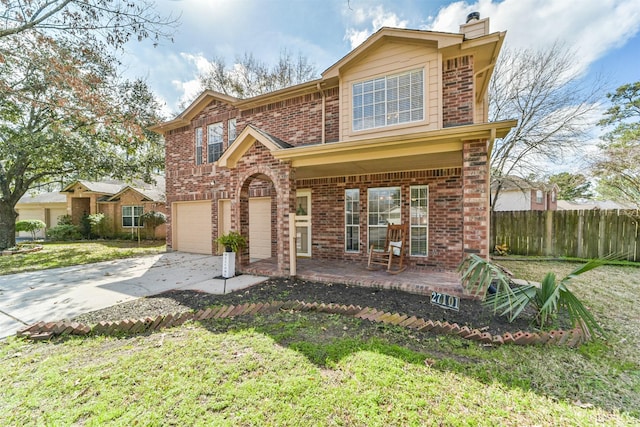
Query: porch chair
point(392, 256)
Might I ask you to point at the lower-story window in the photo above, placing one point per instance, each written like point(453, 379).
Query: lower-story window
point(419, 219)
point(131, 216)
point(352, 220)
point(384, 209)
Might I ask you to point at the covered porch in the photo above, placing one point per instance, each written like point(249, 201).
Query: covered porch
point(418, 281)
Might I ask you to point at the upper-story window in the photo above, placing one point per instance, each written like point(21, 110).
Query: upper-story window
point(539, 196)
point(198, 146)
point(214, 142)
point(388, 100)
point(231, 131)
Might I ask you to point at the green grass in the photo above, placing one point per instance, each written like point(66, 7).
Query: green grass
point(54, 255)
point(309, 368)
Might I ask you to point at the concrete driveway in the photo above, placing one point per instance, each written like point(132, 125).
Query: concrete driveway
point(63, 293)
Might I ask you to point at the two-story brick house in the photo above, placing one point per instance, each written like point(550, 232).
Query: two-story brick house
point(394, 132)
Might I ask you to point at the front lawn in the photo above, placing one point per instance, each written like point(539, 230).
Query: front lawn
point(310, 368)
point(65, 254)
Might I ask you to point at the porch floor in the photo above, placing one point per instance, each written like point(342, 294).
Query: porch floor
point(418, 281)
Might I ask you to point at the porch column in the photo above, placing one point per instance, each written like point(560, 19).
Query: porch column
point(476, 211)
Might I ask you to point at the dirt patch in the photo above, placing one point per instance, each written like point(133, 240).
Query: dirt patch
point(472, 313)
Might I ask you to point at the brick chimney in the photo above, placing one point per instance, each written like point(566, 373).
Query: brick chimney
point(475, 27)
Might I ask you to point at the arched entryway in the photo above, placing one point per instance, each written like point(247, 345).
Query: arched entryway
point(262, 208)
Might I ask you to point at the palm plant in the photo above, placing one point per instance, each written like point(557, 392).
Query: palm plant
point(547, 298)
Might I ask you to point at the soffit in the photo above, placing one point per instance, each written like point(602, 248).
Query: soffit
point(426, 150)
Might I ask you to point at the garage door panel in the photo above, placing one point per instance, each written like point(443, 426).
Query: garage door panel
point(192, 227)
point(260, 228)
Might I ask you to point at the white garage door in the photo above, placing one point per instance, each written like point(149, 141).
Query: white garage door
point(260, 228)
point(55, 214)
point(192, 227)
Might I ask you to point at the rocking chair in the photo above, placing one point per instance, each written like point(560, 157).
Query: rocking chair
point(393, 255)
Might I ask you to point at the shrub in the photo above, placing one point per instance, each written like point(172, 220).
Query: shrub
point(65, 220)
point(64, 232)
point(99, 225)
point(151, 220)
point(30, 225)
point(548, 298)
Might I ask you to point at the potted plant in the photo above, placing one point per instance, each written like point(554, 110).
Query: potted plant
point(232, 241)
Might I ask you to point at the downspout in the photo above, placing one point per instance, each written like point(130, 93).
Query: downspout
point(324, 101)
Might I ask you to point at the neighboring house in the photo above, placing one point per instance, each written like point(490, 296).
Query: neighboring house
point(566, 205)
point(394, 132)
point(120, 202)
point(47, 207)
point(517, 194)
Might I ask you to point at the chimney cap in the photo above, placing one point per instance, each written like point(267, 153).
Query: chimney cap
point(472, 16)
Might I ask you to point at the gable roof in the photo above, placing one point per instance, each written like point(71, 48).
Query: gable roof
point(113, 189)
point(484, 48)
point(249, 135)
point(437, 39)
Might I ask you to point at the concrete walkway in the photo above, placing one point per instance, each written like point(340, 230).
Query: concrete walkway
point(63, 293)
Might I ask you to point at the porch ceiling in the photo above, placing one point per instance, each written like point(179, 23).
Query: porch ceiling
point(428, 150)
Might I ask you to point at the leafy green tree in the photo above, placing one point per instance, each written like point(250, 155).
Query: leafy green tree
point(65, 114)
point(618, 168)
point(572, 186)
point(30, 226)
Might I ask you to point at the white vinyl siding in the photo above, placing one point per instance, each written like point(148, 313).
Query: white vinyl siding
point(352, 220)
point(388, 100)
point(419, 220)
point(384, 209)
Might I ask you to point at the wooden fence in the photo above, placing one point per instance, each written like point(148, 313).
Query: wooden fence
point(583, 234)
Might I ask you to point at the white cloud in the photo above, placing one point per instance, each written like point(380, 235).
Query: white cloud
point(377, 17)
point(591, 27)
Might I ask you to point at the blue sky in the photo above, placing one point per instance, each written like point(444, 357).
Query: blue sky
point(604, 33)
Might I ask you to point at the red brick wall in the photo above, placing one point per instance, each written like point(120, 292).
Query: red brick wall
point(445, 214)
point(457, 91)
point(456, 226)
point(297, 120)
point(475, 181)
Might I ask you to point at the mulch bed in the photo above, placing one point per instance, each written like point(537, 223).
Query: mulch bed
point(471, 313)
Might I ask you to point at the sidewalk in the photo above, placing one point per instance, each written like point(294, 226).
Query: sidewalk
point(64, 293)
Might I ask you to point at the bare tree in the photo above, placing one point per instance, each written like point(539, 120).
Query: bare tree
point(249, 77)
point(554, 108)
point(115, 21)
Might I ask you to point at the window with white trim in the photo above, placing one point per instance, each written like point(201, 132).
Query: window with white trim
point(388, 100)
point(419, 229)
point(131, 216)
point(352, 220)
point(383, 209)
point(198, 146)
point(231, 131)
point(214, 142)
point(539, 196)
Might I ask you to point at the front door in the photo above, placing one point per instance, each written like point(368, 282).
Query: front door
point(303, 223)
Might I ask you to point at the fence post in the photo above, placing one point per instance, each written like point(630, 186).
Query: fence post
point(548, 251)
point(580, 234)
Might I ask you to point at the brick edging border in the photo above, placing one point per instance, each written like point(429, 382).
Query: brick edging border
point(46, 330)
